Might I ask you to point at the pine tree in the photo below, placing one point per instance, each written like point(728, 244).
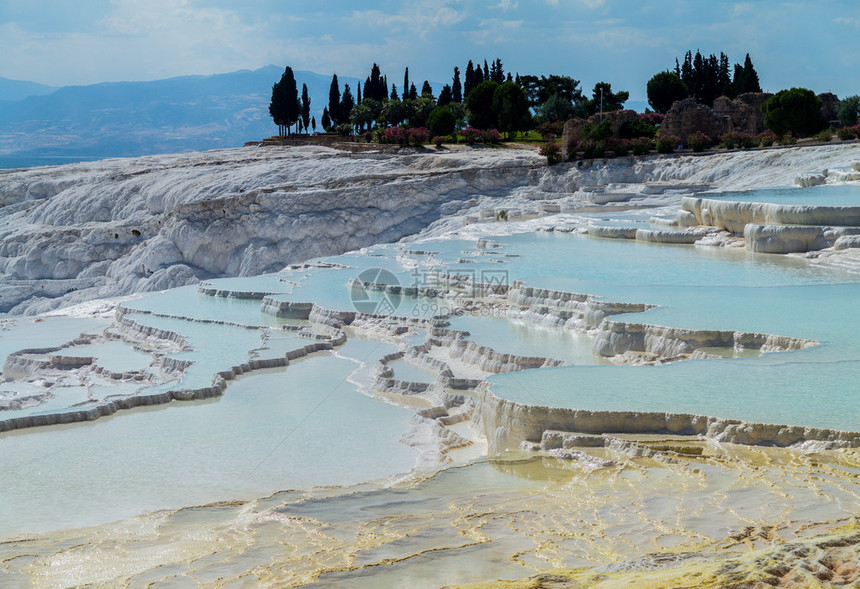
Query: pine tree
point(470, 79)
point(333, 103)
point(456, 88)
point(406, 85)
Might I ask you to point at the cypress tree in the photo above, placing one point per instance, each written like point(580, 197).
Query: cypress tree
point(750, 77)
point(413, 92)
point(470, 79)
point(314, 124)
point(479, 77)
point(306, 106)
point(486, 71)
point(456, 88)
point(724, 78)
point(394, 95)
point(358, 93)
point(276, 105)
point(426, 90)
point(376, 90)
point(326, 119)
point(347, 103)
point(406, 85)
point(333, 103)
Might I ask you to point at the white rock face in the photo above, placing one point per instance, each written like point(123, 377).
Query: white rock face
point(114, 227)
point(101, 229)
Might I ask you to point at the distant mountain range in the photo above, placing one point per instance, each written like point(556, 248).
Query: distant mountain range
point(45, 125)
point(40, 124)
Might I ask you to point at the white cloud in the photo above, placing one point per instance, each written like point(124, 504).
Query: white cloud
point(506, 5)
point(847, 20)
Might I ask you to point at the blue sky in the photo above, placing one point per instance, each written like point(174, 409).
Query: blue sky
point(814, 44)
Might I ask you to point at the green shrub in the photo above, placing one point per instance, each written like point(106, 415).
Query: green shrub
point(825, 135)
point(787, 139)
point(641, 146)
point(637, 128)
point(592, 149)
point(848, 111)
point(796, 111)
point(620, 147)
point(667, 143)
point(846, 133)
point(441, 121)
point(597, 131)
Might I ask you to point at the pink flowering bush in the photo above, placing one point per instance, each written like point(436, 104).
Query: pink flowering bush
point(766, 139)
point(667, 143)
point(552, 152)
point(698, 141)
point(653, 118)
point(419, 136)
point(491, 136)
point(471, 135)
point(735, 140)
point(438, 140)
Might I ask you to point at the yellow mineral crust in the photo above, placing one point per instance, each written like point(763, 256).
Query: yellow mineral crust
point(646, 511)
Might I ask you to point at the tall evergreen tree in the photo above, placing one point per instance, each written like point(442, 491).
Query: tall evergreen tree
point(749, 79)
point(497, 72)
point(486, 71)
point(277, 106)
point(306, 107)
point(314, 124)
point(394, 95)
point(479, 77)
point(347, 103)
point(377, 90)
point(677, 68)
point(333, 103)
point(724, 78)
point(445, 96)
point(456, 88)
point(470, 79)
point(426, 90)
point(413, 92)
point(326, 119)
point(358, 93)
point(406, 85)
point(290, 98)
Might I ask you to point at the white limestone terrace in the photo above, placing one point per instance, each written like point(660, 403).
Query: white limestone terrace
point(80, 232)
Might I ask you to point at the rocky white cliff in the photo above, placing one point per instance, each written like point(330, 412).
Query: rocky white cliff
point(114, 227)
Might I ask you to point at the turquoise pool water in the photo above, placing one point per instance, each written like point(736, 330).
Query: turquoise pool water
point(834, 195)
point(281, 429)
